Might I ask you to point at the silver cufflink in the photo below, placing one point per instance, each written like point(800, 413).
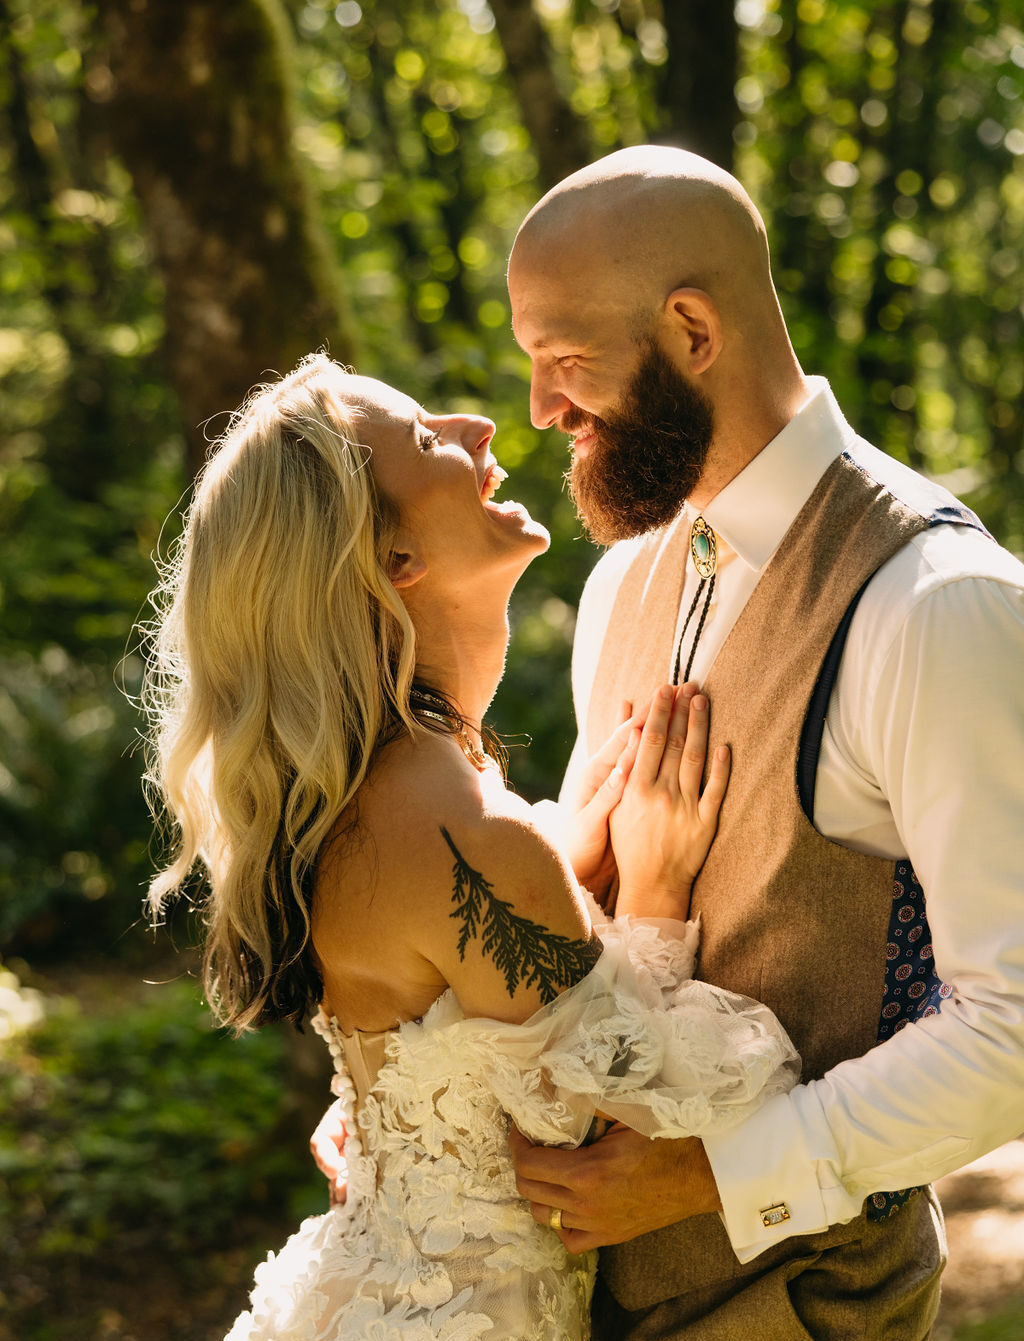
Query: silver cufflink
point(774, 1215)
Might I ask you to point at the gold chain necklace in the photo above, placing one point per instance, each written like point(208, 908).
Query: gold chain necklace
point(453, 723)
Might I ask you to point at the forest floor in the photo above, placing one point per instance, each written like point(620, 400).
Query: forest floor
point(133, 1294)
point(983, 1287)
point(983, 1293)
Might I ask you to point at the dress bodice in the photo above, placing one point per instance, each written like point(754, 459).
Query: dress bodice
point(433, 1242)
point(364, 1052)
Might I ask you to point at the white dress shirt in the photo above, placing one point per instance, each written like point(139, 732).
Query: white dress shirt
point(922, 757)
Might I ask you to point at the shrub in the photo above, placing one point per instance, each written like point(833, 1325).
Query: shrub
point(141, 1124)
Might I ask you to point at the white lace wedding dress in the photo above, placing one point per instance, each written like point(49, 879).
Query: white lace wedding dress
point(432, 1241)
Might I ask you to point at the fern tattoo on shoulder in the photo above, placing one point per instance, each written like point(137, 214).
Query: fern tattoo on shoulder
point(524, 951)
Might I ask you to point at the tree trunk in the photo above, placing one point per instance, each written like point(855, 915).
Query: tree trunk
point(559, 136)
point(199, 107)
point(699, 78)
point(885, 356)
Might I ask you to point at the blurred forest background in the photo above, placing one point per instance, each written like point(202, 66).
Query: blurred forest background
point(193, 192)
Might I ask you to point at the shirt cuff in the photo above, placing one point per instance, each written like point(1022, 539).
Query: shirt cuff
point(770, 1186)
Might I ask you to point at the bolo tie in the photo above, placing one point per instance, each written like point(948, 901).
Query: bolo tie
point(704, 553)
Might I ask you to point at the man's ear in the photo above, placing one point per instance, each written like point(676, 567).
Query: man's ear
point(405, 568)
point(695, 328)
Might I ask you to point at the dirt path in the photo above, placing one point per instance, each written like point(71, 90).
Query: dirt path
point(984, 1208)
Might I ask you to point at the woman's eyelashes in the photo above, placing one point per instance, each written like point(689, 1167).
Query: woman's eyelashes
point(431, 440)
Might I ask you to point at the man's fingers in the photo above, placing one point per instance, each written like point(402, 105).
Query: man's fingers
point(576, 1240)
point(714, 790)
point(538, 1167)
point(539, 1174)
point(542, 1214)
point(338, 1192)
point(581, 1240)
point(332, 1165)
point(327, 1144)
point(543, 1195)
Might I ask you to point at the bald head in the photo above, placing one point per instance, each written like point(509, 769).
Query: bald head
point(644, 221)
point(653, 247)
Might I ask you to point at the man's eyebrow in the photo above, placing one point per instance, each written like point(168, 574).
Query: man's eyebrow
point(546, 342)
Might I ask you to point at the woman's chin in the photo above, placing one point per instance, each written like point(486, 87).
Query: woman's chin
point(535, 541)
point(527, 531)
point(541, 537)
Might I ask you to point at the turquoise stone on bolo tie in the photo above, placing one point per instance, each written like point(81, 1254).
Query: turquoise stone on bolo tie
point(703, 548)
point(704, 553)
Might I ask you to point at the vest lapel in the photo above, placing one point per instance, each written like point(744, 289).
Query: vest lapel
point(638, 657)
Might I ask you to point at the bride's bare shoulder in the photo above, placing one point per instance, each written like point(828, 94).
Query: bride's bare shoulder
point(428, 809)
point(450, 875)
point(420, 786)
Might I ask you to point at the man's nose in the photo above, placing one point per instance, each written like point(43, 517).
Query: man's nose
point(547, 403)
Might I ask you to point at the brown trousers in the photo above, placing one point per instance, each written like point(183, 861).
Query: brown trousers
point(859, 1290)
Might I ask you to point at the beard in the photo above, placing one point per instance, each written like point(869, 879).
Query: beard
point(648, 456)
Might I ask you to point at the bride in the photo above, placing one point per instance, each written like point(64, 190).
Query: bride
point(331, 630)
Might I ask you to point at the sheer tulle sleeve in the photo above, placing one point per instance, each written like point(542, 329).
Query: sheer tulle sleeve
point(638, 1039)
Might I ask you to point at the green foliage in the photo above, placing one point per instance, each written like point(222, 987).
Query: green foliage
point(72, 819)
point(1006, 1325)
point(90, 464)
point(884, 143)
point(141, 1124)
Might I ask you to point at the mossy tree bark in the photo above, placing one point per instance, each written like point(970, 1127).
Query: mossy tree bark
point(697, 83)
point(560, 138)
point(79, 454)
point(199, 104)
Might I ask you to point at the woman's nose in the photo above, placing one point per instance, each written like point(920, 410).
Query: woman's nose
point(475, 432)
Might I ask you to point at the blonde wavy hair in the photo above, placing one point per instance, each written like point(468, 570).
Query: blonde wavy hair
point(279, 660)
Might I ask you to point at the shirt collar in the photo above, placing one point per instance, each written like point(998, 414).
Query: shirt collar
point(756, 508)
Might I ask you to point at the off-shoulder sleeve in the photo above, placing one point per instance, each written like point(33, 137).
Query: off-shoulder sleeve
point(638, 1039)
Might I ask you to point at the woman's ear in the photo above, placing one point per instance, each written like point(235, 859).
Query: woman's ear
point(695, 328)
point(405, 568)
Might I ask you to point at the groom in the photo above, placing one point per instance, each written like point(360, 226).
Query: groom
point(861, 639)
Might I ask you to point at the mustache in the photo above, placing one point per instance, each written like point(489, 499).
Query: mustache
point(667, 428)
point(575, 419)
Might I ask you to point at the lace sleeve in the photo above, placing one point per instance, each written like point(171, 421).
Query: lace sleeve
point(640, 1040)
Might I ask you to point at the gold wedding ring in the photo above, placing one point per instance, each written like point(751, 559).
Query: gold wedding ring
point(555, 1217)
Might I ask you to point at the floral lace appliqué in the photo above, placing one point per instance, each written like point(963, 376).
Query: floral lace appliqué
point(433, 1243)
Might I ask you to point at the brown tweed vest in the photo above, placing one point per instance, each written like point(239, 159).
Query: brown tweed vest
point(787, 917)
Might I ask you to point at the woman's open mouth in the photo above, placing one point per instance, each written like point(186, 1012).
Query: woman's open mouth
point(493, 480)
